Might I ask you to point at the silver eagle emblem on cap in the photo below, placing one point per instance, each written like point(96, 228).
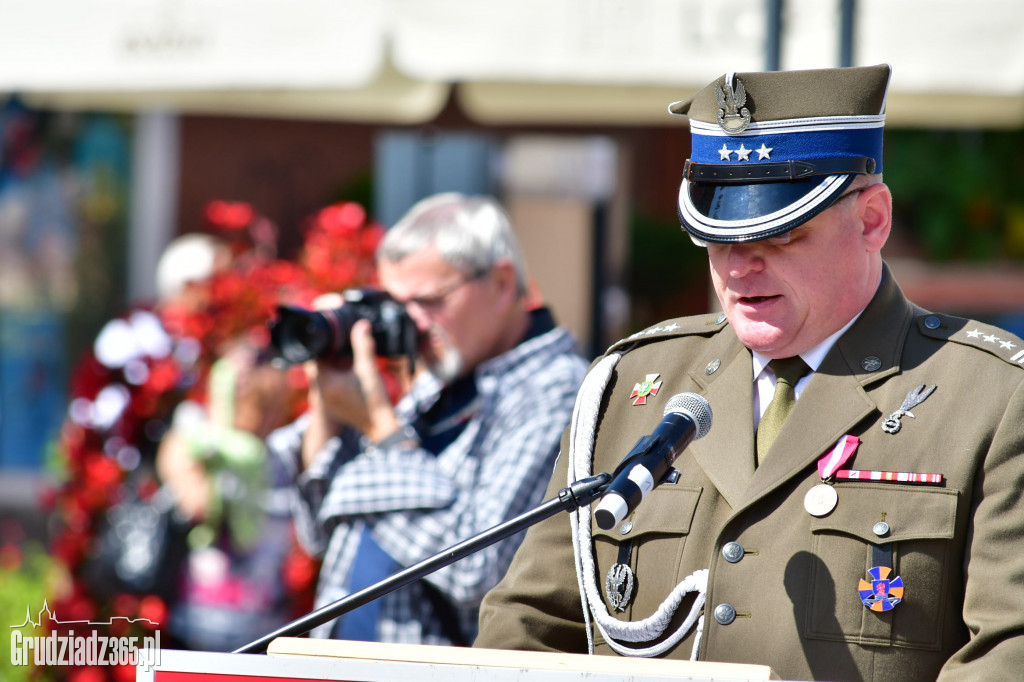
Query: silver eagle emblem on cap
point(733, 115)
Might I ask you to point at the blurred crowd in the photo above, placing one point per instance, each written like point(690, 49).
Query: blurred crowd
point(169, 510)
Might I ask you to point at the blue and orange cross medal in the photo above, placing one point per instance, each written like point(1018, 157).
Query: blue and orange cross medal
point(649, 387)
point(881, 594)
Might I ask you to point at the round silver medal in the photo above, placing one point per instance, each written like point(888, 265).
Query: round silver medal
point(820, 500)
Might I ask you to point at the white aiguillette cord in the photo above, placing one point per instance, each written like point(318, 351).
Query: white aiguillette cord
point(581, 458)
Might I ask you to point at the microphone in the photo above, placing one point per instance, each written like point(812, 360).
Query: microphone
point(687, 417)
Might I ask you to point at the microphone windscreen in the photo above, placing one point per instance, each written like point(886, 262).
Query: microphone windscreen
point(696, 407)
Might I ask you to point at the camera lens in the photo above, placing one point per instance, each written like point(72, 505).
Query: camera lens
point(302, 335)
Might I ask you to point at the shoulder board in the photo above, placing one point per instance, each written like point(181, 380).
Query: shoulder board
point(680, 326)
point(994, 340)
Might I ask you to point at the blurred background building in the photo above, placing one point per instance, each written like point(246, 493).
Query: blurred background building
point(120, 119)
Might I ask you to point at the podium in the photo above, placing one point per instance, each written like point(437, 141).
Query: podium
point(329, 660)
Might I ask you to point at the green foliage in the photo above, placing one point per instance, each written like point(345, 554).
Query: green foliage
point(959, 193)
point(668, 274)
point(23, 577)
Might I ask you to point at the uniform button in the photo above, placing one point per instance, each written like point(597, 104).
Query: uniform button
point(932, 322)
point(626, 527)
point(881, 529)
point(721, 318)
point(725, 614)
point(732, 551)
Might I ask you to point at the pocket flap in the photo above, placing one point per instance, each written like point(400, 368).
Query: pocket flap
point(667, 509)
point(910, 512)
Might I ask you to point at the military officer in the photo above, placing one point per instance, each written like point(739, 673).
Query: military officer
point(859, 518)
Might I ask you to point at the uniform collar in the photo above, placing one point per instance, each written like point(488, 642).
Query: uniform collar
point(812, 357)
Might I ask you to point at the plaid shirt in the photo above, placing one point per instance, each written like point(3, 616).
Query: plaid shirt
point(417, 503)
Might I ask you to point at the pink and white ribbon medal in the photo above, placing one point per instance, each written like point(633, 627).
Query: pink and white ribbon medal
point(822, 498)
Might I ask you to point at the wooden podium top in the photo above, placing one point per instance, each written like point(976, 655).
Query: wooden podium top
point(331, 660)
point(494, 662)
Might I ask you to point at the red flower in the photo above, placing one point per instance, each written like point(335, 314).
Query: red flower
point(123, 673)
point(163, 376)
point(126, 605)
point(342, 218)
point(77, 606)
point(300, 570)
point(119, 626)
point(10, 557)
point(92, 674)
point(69, 548)
point(153, 609)
point(371, 239)
point(229, 215)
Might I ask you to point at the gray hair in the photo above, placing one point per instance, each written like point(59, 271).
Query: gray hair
point(471, 233)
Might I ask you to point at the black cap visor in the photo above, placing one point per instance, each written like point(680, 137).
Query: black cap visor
point(730, 213)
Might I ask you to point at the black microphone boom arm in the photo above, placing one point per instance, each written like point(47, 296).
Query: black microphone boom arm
point(578, 494)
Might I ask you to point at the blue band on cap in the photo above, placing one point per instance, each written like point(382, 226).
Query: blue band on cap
point(793, 145)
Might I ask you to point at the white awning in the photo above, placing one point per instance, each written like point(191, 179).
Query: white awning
point(535, 61)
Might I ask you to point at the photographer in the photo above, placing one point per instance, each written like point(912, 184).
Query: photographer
point(469, 445)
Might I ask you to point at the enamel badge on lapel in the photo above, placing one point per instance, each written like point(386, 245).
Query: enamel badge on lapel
point(618, 584)
point(881, 594)
point(917, 396)
point(649, 387)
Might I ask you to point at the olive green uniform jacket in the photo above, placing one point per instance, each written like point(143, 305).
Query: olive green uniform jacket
point(958, 547)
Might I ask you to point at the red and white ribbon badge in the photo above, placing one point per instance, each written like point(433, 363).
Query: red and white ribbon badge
point(844, 449)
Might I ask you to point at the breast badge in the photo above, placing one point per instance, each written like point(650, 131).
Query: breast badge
point(823, 498)
point(881, 594)
point(648, 388)
point(892, 425)
point(618, 585)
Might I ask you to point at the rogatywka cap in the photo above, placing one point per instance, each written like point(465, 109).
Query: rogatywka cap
point(770, 150)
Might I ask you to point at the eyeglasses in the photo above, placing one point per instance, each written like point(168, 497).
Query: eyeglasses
point(786, 237)
point(851, 193)
point(432, 303)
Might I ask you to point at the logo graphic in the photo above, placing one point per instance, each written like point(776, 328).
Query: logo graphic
point(63, 647)
point(649, 387)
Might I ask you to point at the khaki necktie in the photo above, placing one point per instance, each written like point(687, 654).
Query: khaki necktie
point(788, 372)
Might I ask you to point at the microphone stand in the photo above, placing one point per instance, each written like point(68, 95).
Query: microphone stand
point(578, 494)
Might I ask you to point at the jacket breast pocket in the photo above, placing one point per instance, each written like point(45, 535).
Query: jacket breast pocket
point(651, 542)
point(916, 538)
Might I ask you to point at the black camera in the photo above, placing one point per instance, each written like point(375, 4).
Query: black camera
point(298, 335)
